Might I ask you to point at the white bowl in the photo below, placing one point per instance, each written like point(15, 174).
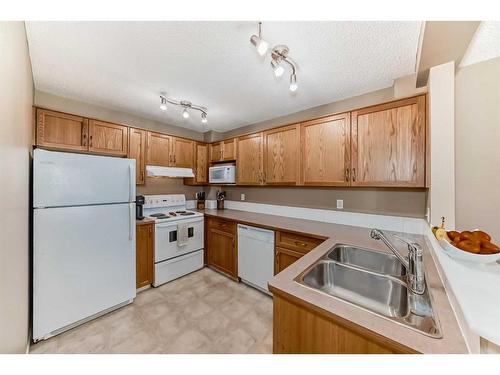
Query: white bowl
point(457, 253)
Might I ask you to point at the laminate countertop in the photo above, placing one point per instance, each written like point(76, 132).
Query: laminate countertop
point(452, 340)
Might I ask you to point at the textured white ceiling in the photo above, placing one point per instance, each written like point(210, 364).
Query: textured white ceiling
point(125, 65)
point(484, 45)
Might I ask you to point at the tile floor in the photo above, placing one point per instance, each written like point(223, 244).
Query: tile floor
point(203, 312)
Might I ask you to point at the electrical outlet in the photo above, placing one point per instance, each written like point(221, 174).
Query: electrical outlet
point(340, 204)
point(242, 197)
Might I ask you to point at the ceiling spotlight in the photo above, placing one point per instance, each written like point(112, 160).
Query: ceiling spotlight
point(278, 69)
point(293, 83)
point(185, 113)
point(204, 117)
point(260, 44)
point(163, 105)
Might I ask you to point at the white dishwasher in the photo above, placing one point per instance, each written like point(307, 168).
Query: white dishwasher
point(255, 256)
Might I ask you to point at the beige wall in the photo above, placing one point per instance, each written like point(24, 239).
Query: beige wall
point(441, 176)
point(477, 147)
point(47, 100)
point(16, 85)
point(166, 185)
point(398, 202)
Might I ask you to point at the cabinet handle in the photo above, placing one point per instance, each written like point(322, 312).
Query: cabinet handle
point(347, 175)
point(353, 174)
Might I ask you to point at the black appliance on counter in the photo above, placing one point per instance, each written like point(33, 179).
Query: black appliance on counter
point(139, 203)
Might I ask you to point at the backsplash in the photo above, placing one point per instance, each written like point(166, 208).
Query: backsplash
point(383, 201)
point(166, 185)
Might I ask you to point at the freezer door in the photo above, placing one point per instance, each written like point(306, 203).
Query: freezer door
point(68, 179)
point(83, 263)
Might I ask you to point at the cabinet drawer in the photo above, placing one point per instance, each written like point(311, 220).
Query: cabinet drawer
point(222, 225)
point(296, 242)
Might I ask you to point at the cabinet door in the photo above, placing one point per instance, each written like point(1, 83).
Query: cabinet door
point(222, 251)
point(281, 156)
point(144, 255)
point(182, 152)
point(249, 160)
point(388, 144)
point(137, 151)
point(325, 151)
point(61, 131)
point(215, 152)
point(228, 149)
point(107, 138)
point(158, 149)
point(283, 258)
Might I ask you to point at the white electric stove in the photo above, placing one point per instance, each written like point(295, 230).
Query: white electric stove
point(174, 257)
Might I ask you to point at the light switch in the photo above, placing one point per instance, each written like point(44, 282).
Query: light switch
point(242, 197)
point(340, 204)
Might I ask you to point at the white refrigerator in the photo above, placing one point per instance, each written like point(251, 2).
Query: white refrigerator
point(83, 238)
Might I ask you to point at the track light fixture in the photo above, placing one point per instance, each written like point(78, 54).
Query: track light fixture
point(184, 104)
point(279, 55)
point(163, 105)
point(260, 44)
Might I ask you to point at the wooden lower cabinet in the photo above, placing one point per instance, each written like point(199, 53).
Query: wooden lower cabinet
point(221, 246)
point(284, 257)
point(290, 247)
point(144, 254)
point(300, 329)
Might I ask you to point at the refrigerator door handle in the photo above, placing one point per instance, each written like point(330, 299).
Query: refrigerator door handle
point(130, 222)
point(131, 178)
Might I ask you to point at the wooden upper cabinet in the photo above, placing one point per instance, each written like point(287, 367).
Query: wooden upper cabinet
point(325, 151)
point(200, 169)
point(137, 151)
point(228, 149)
point(61, 130)
point(250, 160)
point(215, 152)
point(182, 152)
point(158, 149)
point(388, 144)
point(281, 156)
point(108, 138)
point(223, 150)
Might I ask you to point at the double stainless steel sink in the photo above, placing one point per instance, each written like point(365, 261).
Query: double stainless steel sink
point(375, 281)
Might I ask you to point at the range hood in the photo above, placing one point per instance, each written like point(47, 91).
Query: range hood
point(157, 171)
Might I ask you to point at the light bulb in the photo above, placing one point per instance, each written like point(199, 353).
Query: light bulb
point(185, 113)
point(293, 83)
point(278, 69)
point(260, 44)
point(163, 105)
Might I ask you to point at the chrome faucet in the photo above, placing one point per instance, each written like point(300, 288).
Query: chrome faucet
point(414, 263)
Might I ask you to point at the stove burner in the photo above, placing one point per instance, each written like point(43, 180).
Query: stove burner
point(160, 216)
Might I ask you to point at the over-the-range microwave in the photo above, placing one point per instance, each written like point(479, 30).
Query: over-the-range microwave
point(222, 174)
